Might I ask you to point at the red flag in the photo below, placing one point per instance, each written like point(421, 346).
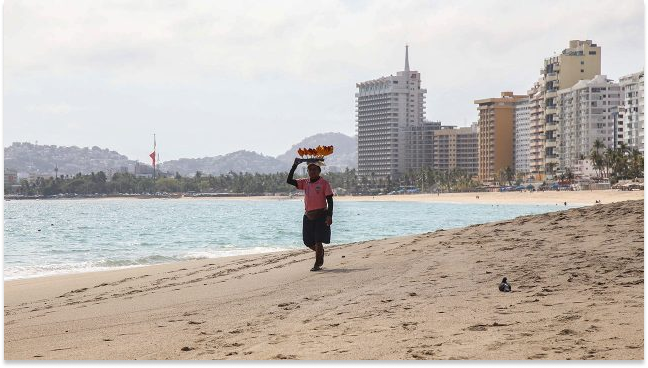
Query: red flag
point(152, 156)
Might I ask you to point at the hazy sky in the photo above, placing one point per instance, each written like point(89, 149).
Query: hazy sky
point(212, 77)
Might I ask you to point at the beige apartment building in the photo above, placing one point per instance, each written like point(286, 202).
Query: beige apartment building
point(456, 149)
point(496, 135)
point(581, 61)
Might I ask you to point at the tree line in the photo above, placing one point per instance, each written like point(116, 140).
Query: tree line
point(347, 182)
point(127, 183)
point(615, 164)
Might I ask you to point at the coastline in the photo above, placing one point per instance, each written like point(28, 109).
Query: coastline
point(581, 198)
point(578, 294)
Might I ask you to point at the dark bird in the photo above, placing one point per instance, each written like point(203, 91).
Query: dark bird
point(504, 286)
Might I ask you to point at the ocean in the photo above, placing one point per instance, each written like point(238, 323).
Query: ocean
point(48, 237)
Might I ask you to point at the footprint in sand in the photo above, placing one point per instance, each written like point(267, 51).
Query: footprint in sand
point(282, 356)
point(288, 305)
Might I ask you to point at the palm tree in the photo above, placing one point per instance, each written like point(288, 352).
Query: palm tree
point(510, 175)
point(569, 175)
point(636, 164)
point(596, 158)
point(598, 145)
point(550, 167)
point(609, 157)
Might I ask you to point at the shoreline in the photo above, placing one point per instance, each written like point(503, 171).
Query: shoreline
point(577, 294)
point(522, 198)
point(581, 198)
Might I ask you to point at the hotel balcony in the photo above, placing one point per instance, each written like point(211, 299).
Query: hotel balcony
point(551, 77)
point(551, 158)
point(551, 93)
point(550, 142)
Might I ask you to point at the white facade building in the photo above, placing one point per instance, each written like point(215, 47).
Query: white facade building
point(386, 107)
point(587, 112)
point(522, 136)
point(631, 118)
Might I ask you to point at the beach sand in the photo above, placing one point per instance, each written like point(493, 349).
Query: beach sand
point(584, 198)
point(576, 275)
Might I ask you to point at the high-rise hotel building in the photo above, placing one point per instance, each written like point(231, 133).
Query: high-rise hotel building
point(496, 133)
point(522, 136)
point(581, 61)
point(388, 109)
point(587, 112)
point(456, 149)
point(631, 119)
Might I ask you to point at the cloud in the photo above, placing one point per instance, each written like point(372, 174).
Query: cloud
point(229, 68)
point(54, 109)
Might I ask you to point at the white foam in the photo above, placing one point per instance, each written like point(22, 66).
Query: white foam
point(25, 272)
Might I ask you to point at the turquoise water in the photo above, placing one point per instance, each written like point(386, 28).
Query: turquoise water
point(45, 237)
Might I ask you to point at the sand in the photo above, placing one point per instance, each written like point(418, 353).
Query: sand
point(577, 279)
point(583, 198)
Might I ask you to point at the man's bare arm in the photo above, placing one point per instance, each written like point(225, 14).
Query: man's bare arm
point(290, 179)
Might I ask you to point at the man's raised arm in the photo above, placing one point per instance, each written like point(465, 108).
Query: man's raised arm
point(290, 179)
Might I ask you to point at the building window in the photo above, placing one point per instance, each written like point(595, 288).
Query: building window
point(582, 71)
point(592, 52)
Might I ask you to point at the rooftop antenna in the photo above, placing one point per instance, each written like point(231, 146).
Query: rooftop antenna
point(407, 68)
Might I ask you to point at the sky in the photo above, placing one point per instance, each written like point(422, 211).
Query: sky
point(213, 77)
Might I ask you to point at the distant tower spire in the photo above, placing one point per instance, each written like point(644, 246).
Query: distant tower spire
point(407, 69)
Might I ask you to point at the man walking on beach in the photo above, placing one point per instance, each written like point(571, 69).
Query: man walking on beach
point(318, 201)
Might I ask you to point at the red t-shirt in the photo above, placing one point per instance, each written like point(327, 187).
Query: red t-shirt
point(314, 193)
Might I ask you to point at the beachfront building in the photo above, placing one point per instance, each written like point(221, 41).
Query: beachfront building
point(387, 109)
point(419, 145)
point(587, 112)
point(456, 149)
point(580, 61)
point(585, 169)
point(631, 117)
point(522, 137)
point(536, 133)
point(495, 137)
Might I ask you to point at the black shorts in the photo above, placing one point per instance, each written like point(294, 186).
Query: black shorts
point(316, 231)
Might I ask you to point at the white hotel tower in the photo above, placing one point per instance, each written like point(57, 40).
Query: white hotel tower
point(386, 107)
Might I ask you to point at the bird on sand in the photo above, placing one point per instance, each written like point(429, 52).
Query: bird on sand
point(504, 286)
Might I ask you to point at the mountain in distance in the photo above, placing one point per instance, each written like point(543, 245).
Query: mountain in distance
point(239, 161)
point(42, 159)
point(344, 154)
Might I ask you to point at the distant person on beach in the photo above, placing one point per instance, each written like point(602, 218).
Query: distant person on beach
point(318, 216)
